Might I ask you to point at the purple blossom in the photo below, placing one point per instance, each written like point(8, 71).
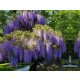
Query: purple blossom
point(48, 52)
point(41, 49)
point(56, 53)
point(27, 56)
point(2, 52)
point(21, 52)
point(62, 45)
point(46, 36)
point(16, 24)
point(77, 47)
point(34, 54)
point(57, 40)
point(40, 19)
point(52, 38)
point(9, 28)
point(13, 61)
point(24, 21)
point(1, 57)
point(16, 51)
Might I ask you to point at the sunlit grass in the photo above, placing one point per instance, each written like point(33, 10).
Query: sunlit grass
point(7, 67)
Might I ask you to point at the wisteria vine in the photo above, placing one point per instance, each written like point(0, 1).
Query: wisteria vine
point(28, 39)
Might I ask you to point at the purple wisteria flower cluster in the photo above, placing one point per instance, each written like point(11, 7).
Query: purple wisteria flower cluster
point(77, 46)
point(26, 46)
point(24, 21)
point(28, 39)
point(53, 45)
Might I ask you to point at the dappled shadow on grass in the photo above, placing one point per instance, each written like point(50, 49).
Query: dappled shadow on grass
point(7, 67)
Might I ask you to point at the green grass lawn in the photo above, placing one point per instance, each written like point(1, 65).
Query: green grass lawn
point(7, 67)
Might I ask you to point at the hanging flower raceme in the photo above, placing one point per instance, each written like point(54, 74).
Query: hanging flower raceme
point(40, 19)
point(59, 48)
point(24, 21)
point(27, 56)
point(2, 50)
point(62, 45)
point(9, 28)
point(12, 49)
point(49, 54)
point(77, 47)
point(2, 53)
point(46, 33)
point(41, 49)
